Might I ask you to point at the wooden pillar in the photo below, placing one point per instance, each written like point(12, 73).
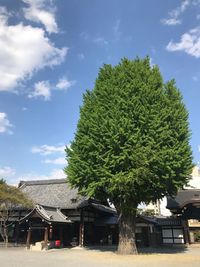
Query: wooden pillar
point(81, 229)
point(16, 233)
point(186, 232)
point(61, 234)
point(46, 236)
point(51, 232)
point(28, 238)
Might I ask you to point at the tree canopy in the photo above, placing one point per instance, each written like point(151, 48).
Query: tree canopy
point(11, 198)
point(132, 138)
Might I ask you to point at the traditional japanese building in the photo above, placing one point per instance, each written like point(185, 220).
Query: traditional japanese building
point(60, 213)
point(61, 217)
point(186, 205)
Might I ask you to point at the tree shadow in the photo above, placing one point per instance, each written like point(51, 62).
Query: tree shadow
point(172, 249)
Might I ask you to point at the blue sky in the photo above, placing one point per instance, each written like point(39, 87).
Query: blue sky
point(50, 53)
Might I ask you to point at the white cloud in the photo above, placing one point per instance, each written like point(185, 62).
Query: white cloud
point(4, 14)
point(57, 161)
point(171, 21)
point(54, 174)
point(5, 125)
point(44, 88)
point(23, 51)
point(39, 11)
point(47, 150)
point(6, 172)
point(176, 13)
point(189, 43)
point(64, 84)
point(41, 88)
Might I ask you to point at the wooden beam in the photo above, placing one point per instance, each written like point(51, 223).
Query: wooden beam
point(28, 238)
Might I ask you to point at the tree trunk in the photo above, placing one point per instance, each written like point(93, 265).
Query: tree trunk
point(127, 242)
point(5, 235)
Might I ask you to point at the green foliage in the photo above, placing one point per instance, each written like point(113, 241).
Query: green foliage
point(147, 212)
point(197, 236)
point(10, 199)
point(132, 139)
point(2, 181)
point(11, 196)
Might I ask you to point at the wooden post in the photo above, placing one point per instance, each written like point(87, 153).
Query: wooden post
point(45, 237)
point(28, 238)
point(186, 232)
point(61, 235)
point(81, 230)
point(50, 232)
point(16, 233)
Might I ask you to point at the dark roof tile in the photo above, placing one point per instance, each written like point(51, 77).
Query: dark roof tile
point(53, 193)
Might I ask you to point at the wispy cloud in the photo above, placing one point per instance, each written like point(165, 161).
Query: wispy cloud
point(57, 161)
point(100, 40)
point(48, 150)
point(174, 15)
point(81, 56)
point(44, 88)
point(85, 36)
point(6, 172)
point(5, 125)
point(24, 50)
point(54, 174)
point(15, 178)
point(116, 30)
point(41, 11)
point(189, 43)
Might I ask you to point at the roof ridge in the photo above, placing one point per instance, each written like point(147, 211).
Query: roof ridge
point(44, 181)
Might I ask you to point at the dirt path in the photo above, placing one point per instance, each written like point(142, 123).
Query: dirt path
point(15, 257)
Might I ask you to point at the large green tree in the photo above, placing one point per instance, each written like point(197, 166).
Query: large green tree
point(131, 143)
point(11, 198)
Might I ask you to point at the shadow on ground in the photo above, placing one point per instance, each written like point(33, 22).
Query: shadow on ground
point(147, 250)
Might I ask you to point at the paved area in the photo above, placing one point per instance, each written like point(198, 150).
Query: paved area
point(19, 257)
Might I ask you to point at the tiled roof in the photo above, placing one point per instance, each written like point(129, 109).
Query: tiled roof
point(183, 198)
point(52, 193)
point(103, 208)
point(160, 220)
point(49, 214)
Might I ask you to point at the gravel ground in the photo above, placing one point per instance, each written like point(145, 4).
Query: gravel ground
point(19, 257)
